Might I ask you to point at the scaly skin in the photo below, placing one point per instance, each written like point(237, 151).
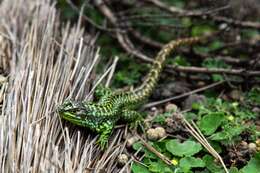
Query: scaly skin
point(112, 106)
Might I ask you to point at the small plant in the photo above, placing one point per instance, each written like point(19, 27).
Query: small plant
point(214, 63)
point(222, 122)
point(253, 96)
point(128, 73)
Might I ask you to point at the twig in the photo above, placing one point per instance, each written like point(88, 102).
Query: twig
point(145, 39)
point(245, 24)
point(112, 71)
point(126, 43)
point(238, 72)
point(156, 103)
point(86, 18)
point(186, 13)
point(153, 150)
point(205, 15)
point(196, 133)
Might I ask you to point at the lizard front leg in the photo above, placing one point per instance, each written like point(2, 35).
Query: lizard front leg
point(104, 129)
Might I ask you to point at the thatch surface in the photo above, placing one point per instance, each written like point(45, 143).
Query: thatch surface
point(45, 61)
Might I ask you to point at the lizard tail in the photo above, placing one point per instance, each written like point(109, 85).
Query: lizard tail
point(146, 88)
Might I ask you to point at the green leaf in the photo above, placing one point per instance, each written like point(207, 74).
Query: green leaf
point(186, 22)
point(254, 95)
point(217, 77)
point(159, 167)
point(137, 146)
point(227, 133)
point(211, 165)
point(253, 165)
point(187, 148)
point(233, 170)
point(201, 29)
point(215, 63)
point(201, 49)
point(187, 163)
point(209, 123)
point(159, 119)
point(215, 45)
point(179, 60)
point(138, 168)
point(148, 153)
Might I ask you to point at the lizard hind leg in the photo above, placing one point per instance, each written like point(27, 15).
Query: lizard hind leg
point(105, 130)
point(134, 117)
point(101, 91)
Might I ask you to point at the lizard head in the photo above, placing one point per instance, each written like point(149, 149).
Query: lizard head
point(72, 111)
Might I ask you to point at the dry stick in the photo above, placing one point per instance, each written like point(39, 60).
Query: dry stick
point(245, 24)
point(133, 158)
point(86, 18)
point(183, 95)
point(145, 39)
point(205, 15)
point(98, 82)
point(153, 150)
point(129, 47)
point(239, 72)
point(112, 71)
point(186, 13)
point(159, 45)
point(216, 153)
point(107, 152)
point(140, 55)
point(121, 36)
point(200, 137)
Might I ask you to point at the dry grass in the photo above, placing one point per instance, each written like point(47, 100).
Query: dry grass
point(46, 61)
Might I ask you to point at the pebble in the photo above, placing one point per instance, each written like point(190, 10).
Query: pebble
point(131, 141)
point(122, 159)
point(171, 107)
point(161, 132)
point(152, 134)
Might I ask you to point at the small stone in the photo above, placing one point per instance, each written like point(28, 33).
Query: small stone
point(122, 159)
point(238, 38)
point(169, 121)
point(153, 109)
point(201, 83)
point(171, 107)
point(152, 134)
point(195, 98)
point(244, 145)
point(235, 94)
point(224, 97)
point(161, 132)
point(3, 79)
point(258, 142)
point(256, 110)
point(131, 141)
point(223, 26)
point(252, 147)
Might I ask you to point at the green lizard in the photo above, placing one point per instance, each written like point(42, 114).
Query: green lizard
point(113, 106)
